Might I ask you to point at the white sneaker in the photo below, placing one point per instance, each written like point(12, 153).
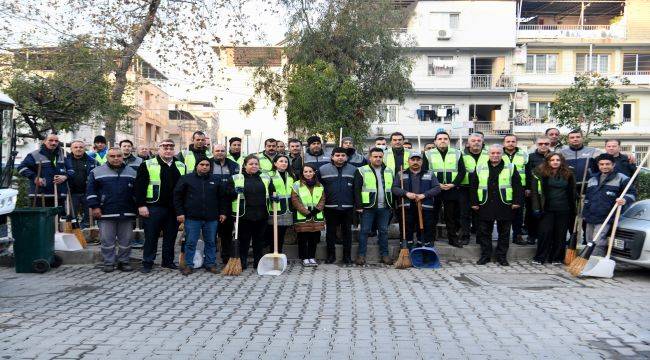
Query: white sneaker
point(313, 262)
point(305, 262)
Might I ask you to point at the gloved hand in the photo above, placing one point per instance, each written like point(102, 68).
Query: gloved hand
point(274, 198)
point(537, 214)
point(315, 212)
point(239, 190)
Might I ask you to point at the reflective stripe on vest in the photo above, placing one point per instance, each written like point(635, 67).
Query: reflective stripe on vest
point(283, 191)
point(153, 189)
point(190, 160)
point(239, 182)
point(309, 199)
point(101, 160)
point(389, 160)
point(369, 189)
point(470, 164)
point(448, 167)
point(519, 159)
point(239, 161)
point(505, 183)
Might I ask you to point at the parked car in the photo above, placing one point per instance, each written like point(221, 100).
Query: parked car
point(632, 239)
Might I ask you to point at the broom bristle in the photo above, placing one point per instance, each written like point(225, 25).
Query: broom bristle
point(569, 256)
point(80, 237)
point(577, 265)
point(403, 260)
point(232, 268)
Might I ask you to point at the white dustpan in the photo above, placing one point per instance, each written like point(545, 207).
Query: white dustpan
point(66, 242)
point(198, 254)
point(275, 263)
point(599, 266)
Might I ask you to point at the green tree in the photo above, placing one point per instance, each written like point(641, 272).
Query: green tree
point(364, 61)
point(60, 88)
point(589, 103)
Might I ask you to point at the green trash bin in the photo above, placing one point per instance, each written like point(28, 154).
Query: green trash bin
point(33, 233)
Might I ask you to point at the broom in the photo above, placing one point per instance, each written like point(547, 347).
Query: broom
point(37, 187)
point(72, 222)
point(233, 267)
point(577, 265)
point(404, 259)
point(181, 243)
point(570, 254)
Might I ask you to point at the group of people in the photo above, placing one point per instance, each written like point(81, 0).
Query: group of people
point(210, 190)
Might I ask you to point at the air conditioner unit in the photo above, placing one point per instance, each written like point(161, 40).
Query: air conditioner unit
point(444, 34)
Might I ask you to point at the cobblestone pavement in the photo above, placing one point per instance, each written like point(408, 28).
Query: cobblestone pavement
point(457, 312)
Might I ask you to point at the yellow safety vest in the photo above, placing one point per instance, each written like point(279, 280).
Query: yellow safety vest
point(369, 190)
point(448, 167)
point(239, 161)
point(505, 183)
point(470, 164)
point(101, 160)
point(282, 190)
point(266, 165)
point(389, 159)
point(239, 182)
point(309, 199)
point(190, 160)
point(520, 159)
point(153, 167)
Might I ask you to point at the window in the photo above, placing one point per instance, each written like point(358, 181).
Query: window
point(387, 114)
point(541, 63)
point(540, 109)
point(636, 64)
point(599, 63)
point(627, 112)
point(454, 20)
point(430, 112)
point(441, 65)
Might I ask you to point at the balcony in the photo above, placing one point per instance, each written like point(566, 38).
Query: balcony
point(493, 128)
point(488, 82)
point(530, 31)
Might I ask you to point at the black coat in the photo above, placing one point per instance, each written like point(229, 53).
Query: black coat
point(199, 197)
point(535, 159)
point(538, 201)
point(169, 176)
point(494, 208)
point(255, 205)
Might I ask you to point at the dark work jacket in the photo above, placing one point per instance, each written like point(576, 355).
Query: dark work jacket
point(356, 159)
point(338, 184)
point(228, 169)
point(82, 168)
point(600, 196)
point(133, 161)
point(494, 208)
point(317, 160)
point(535, 159)
point(52, 163)
point(621, 165)
point(428, 185)
point(538, 200)
point(295, 166)
point(112, 190)
point(169, 176)
point(255, 204)
point(199, 197)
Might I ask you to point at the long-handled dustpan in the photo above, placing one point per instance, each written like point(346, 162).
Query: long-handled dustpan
point(424, 256)
point(275, 263)
point(599, 266)
point(63, 241)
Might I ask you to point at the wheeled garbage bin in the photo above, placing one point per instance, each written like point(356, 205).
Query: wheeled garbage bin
point(33, 233)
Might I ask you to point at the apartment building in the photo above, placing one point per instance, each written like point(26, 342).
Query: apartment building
point(188, 116)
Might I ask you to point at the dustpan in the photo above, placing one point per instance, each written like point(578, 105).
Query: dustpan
point(274, 263)
point(63, 241)
point(425, 257)
point(599, 266)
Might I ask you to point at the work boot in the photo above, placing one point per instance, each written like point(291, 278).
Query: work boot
point(171, 266)
point(455, 243)
point(331, 259)
point(145, 269)
point(186, 270)
point(519, 241)
point(361, 260)
point(126, 267)
point(387, 260)
point(212, 269)
point(347, 260)
point(503, 262)
point(483, 260)
point(530, 240)
point(108, 268)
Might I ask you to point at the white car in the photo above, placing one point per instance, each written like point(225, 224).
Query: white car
point(632, 240)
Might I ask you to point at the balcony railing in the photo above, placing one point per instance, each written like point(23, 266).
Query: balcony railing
point(488, 82)
point(563, 27)
point(525, 120)
point(636, 72)
point(494, 128)
point(571, 31)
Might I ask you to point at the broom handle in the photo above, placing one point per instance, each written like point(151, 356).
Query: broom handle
point(611, 236)
point(582, 200)
point(401, 179)
point(275, 227)
point(241, 169)
point(629, 183)
point(420, 216)
point(56, 205)
point(38, 176)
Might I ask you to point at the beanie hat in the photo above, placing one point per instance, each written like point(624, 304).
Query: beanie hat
point(99, 139)
point(312, 139)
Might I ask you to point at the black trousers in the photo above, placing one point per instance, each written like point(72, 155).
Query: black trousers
point(451, 215)
point(160, 219)
point(307, 242)
point(551, 243)
point(532, 224)
point(468, 217)
point(427, 235)
point(224, 233)
point(484, 237)
point(333, 220)
point(268, 237)
point(251, 231)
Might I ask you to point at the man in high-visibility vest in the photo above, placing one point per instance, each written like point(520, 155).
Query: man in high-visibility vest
point(396, 157)
point(514, 155)
point(154, 186)
point(496, 191)
point(266, 156)
point(448, 166)
point(535, 158)
point(473, 155)
point(234, 151)
point(373, 199)
point(100, 149)
point(196, 152)
point(295, 157)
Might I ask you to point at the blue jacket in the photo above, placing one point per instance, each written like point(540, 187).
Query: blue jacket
point(576, 159)
point(82, 168)
point(52, 163)
point(600, 197)
point(356, 159)
point(429, 186)
point(225, 172)
point(113, 191)
point(317, 160)
point(338, 185)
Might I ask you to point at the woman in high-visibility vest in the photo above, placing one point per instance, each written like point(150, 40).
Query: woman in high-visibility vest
point(255, 190)
point(308, 198)
point(283, 183)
